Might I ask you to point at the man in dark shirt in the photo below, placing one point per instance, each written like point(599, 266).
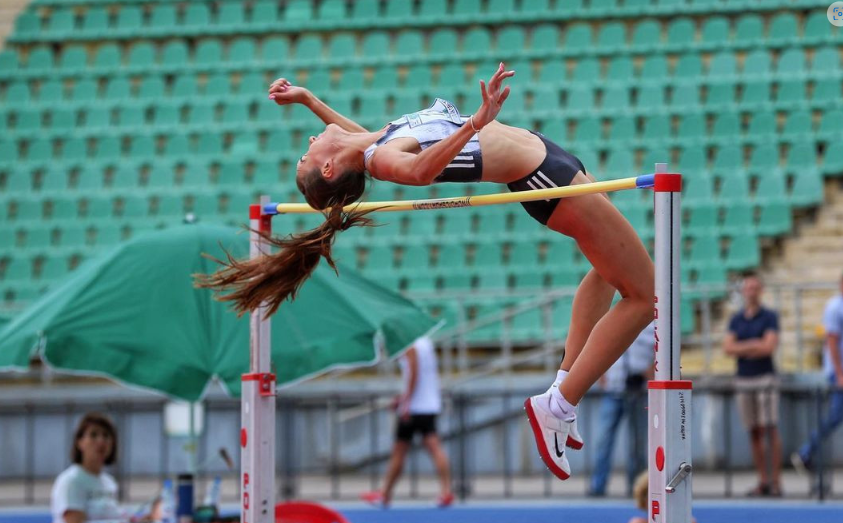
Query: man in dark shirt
point(753, 336)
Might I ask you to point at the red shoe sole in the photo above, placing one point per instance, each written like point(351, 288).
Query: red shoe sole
point(543, 454)
point(574, 444)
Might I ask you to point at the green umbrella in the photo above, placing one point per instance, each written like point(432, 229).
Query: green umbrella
point(133, 315)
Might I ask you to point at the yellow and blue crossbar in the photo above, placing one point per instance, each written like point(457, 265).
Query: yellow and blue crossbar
point(636, 182)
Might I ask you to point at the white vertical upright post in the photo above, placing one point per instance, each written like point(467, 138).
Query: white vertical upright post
point(257, 433)
point(669, 412)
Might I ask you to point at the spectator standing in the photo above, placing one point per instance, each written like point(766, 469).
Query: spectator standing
point(833, 369)
point(624, 384)
point(417, 409)
point(752, 338)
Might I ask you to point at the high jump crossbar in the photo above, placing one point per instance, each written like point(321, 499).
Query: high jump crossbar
point(668, 415)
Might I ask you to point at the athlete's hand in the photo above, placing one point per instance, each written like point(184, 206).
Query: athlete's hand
point(282, 92)
point(493, 97)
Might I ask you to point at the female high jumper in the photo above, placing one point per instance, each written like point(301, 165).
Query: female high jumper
point(438, 144)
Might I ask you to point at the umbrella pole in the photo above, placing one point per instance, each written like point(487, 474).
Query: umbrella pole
point(257, 433)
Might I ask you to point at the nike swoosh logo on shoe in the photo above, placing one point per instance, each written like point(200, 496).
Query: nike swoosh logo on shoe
point(559, 453)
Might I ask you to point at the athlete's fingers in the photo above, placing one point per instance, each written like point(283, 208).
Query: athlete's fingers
point(504, 95)
point(483, 92)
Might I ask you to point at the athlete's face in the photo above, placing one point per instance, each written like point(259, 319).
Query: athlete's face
point(751, 290)
point(321, 152)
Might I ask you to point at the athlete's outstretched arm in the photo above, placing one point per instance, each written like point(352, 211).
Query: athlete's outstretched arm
point(284, 93)
point(397, 166)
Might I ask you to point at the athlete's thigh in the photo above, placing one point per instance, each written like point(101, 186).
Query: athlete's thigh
point(607, 239)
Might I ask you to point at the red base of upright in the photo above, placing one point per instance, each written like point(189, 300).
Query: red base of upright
point(670, 385)
point(664, 182)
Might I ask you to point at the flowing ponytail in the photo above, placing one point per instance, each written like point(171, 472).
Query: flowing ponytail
point(275, 277)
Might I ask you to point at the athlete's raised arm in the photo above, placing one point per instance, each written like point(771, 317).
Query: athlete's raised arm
point(285, 93)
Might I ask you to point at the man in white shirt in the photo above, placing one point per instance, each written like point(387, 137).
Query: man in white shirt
point(417, 408)
point(833, 368)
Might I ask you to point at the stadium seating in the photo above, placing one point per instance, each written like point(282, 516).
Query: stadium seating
point(162, 113)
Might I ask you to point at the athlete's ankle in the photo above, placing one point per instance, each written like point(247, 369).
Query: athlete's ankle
point(561, 407)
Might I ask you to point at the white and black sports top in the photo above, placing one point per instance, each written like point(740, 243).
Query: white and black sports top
point(428, 127)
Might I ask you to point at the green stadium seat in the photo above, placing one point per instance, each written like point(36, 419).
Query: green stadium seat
point(236, 112)
point(443, 43)
point(375, 46)
point(831, 125)
point(71, 236)
point(177, 146)
point(308, 49)
point(749, 30)
point(588, 129)
point(697, 189)
point(620, 69)
point(396, 10)
point(511, 39)
point(108, 57)
point(29, 120)
point(61, 23)
point(51, 91)
point(118, 88)
point(9, 62)
point(654, 69)
point(90, 180)
point(791, 63)
point(169, 206)
point(756, 64)
point(791, 93)
point(742, 252)
point(385, 78)
point(783, 30)
point(185, 86)
point(27, 24)
point(367, 11)
point(107, 234)
point(208, 52)
point(74, 150)
point(552, 73)
point(466, 10)
point(826, 92)
point(686, 96)
point(798, 125)
point(97, 117)
point(17, 93)
point(704, 252)
point(652, 97)
point(833, 160)
point(762, 125)
point(647, 35)
point(218, 85)
point(817, 29)
point(40, 58)
point(409, 44)
point(612, 36)
point(826, 62)
point(142, 147)
point(764, 160)
point(720, 96)
point(739, 218)
point(162, 19)
point(689, 67)
point(488, 255)
point(492, 280)
point(342, 47)
point(231, 15)
point(200, 113)
point(775, 219)
point(210, 143)
point(95, 22)
point(264, 15)
point(807, 187)
point(129, 20)
point(166, 116)
point(715, 31)
point(656, 128)
point(578, 38)
point(275, 49)
point(175, 55)
point(723, 65)
point(107, 148)
point(580, 98)
point(623, 129)
point(131, 116)
point(197, 15)
point(152, 87)
point(692, 127)
point(299, 13)
point(142, 56)
point(802, 156)
point(205, 206)
point(372, 105)
point(477, 42)
point(702, 221)
point(728, 160)
point(727, 127)
point(524, 256)
point(544, 40)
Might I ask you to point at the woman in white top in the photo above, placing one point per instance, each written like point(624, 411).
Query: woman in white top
point(84, 492)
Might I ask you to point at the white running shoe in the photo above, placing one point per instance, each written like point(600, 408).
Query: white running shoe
point(575, 439)
point(548, 431)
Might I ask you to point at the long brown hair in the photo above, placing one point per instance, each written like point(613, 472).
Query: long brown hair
point(275, 277)
point(94, 419)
